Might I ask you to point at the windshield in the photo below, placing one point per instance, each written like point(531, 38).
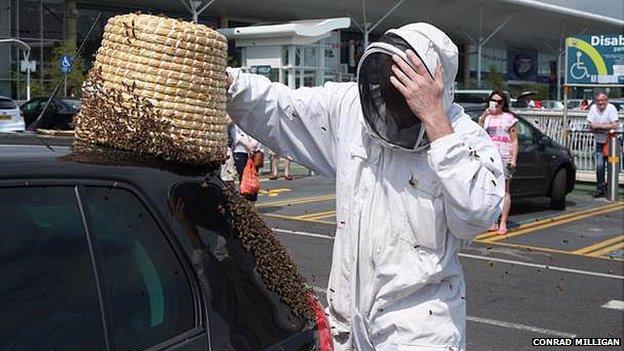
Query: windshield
point(256, 291)
point(74, 104)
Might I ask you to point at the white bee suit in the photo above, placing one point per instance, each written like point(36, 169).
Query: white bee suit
point(396, 282)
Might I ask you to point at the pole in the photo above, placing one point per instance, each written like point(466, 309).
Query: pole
point(479, 64)
point(65, 85)
point(27, 59)
point(480, 43)
point(17, 35)
point(41, 43)
point(559, 76)
point(564, 122)
point(613, 167)
point(366, 25)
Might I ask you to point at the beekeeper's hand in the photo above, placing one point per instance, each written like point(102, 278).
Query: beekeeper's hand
point(422, 94)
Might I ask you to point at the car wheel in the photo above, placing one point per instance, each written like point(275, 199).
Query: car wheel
point(558, 191)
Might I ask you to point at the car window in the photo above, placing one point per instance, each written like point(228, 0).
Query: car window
point(73, 105)
point(31, 106)
point(525, 133)
point(48, 295)
point(246, 314)
point(146, 286)
point(7, 104)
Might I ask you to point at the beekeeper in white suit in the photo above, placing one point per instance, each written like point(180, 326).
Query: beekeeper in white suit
point(415, 177)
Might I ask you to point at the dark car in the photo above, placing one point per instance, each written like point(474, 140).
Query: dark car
point(106, 250)
point(59, 115)
point(543, 168)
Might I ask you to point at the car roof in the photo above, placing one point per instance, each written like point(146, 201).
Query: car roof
point(33, 156)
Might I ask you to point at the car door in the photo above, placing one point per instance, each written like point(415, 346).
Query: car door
point(529, 179)
point(48, 288)
point(151, 299)
point(31, 110)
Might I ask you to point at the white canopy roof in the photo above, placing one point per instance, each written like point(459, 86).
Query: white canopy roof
point(297, 32)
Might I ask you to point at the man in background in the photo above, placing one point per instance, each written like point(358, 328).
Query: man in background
point(601, 118)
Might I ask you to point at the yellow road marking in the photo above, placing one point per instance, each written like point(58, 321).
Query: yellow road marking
point(545, 249)
point(327, 215)
point(297, 201)
point(274, 192)
point(607, 250)
point(552, 223)
point(552, 219)
point(317, 215)
point(600, 245)
point(292, 218)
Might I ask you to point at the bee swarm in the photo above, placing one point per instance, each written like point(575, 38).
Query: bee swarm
point(271, 260)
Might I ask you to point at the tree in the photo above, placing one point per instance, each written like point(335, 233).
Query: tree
point(496, 79)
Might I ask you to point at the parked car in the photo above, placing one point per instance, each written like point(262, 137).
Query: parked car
point(474, 95)
point(618, 103)
point(543, 168)
point(552, 105)
point(106, 250)
point(11, 119)
point(59, 115)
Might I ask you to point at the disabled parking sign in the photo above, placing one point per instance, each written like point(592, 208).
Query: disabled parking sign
point(65, 63)
point(595, 60)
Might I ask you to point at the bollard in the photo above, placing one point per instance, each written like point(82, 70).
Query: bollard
point(613, 167)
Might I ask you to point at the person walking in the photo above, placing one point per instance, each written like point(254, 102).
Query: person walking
point(415, 178)
point(500, 124)
point(601, 118)
point(275, 159)
point(243, 147)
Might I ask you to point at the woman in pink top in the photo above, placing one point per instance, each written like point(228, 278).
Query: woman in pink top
point(500, 124)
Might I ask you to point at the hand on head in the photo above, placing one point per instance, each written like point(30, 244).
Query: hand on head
point(422, 93)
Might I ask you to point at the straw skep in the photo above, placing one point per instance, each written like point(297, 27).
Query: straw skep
point(157, 87)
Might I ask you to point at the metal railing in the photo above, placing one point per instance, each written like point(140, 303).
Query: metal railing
point(580, 139)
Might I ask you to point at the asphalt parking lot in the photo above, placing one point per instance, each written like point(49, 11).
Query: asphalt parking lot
point(555, 274)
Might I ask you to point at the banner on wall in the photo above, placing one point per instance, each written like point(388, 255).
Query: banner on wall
point(522, 65)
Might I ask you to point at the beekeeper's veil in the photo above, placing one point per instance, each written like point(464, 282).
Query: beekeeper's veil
point(385, 111)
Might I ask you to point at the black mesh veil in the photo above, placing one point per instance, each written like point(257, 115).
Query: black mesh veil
point(385, 110)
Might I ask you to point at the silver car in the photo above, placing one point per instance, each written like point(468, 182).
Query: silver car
point(11, 119)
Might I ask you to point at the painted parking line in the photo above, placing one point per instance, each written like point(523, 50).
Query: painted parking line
point(549, 250)
point(488, 321)
point(274, 192)
point(297, 232)
point(617, 305)
point(607, 250)
point(294, 218)
point(535, 223)
point(318, 215)
point(518, 326)
point(609, 245)
point(551, 222)
point(487, 258)
point(543, 266)
point(298, 201)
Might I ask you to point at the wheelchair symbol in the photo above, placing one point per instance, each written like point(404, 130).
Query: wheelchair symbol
point(578, 69)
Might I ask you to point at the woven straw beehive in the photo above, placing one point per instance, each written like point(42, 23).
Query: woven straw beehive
point(157, 86)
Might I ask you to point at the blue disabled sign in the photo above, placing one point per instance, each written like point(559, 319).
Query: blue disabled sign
point(65, 63)
point(595, 60)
